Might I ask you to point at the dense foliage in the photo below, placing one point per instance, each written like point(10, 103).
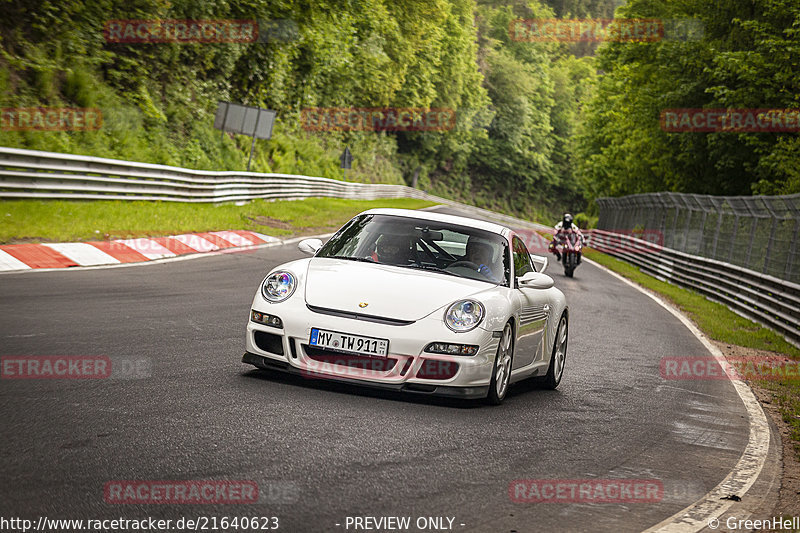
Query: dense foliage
point(517, 102)
point(747, 57)
point(542, 127)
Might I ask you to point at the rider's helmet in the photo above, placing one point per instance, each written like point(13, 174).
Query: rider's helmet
point(567, 221)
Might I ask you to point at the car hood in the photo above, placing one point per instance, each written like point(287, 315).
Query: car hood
point(387, 291)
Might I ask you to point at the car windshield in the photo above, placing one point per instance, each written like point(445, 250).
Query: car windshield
point(447, 249)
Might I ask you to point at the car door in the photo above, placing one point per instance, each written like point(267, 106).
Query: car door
point(534, 309)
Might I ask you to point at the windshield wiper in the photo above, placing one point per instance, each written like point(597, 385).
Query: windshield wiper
point(351, 258)
point(443, 271)
point(433, 268)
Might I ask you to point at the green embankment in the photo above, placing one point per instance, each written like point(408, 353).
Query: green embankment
point(65, 221)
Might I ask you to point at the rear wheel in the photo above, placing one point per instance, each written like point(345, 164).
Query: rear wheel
point(559, 356)
point(501, 374)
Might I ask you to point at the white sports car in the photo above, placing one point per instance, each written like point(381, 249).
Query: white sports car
point(413, 301)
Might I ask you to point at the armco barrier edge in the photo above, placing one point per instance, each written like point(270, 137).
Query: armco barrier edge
point(768, 300)
point(35, 174)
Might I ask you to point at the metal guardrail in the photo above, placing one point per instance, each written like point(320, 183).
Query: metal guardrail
point(35, 174)
point(770, 301)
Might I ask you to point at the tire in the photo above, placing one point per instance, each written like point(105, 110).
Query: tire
point(501, 373)
point(570, 262)
point(559, 356)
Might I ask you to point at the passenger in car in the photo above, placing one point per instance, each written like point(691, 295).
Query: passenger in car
point(481, 254)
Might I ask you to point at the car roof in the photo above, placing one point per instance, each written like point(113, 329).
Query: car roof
point(440, 217)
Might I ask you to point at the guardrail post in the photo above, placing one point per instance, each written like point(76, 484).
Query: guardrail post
point(733, 236)
point(792, 250)
point(674, 225)
point(662, 219)
point(616, 214)
point(771, 236)
point(793, 206)
point(686, 231)
point(716, 234)
point(753, 227)
point(699, 249)
point(626, 212)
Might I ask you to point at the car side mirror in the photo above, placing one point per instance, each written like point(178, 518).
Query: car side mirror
point(309, 246)
point(536, 280)
point(540, 262)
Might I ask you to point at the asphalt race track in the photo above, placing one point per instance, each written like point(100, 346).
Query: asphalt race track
point(321, 452)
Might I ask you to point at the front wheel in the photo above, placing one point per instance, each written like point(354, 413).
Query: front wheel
point(501, 374)
point(569, 264)
point(559, 356)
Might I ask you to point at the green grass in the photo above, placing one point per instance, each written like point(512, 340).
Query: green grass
point(721, 324)
point(69, 221)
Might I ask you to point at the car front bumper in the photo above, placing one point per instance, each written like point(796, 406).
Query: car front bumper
point(407, 366)
point(267, 363)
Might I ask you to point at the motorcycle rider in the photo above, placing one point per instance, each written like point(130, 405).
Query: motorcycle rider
point(565, 226)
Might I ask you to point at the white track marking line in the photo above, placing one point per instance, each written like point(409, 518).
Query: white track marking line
point(9, 262)
point(82, 253)
point(696, 516)
point(196, 242)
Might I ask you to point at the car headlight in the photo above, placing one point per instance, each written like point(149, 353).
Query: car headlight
point(464, 315)
point(278, 286)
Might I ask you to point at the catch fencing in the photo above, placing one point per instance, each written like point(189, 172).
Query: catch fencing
point(759, 233)
point(739, 251)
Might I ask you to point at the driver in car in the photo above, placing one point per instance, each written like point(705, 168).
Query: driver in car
point(393, 249)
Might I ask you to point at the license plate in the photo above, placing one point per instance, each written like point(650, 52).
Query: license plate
point(345, 342)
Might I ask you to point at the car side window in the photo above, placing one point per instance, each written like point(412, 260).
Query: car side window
point(522, 259)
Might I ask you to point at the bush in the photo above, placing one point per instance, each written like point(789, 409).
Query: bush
point(585, 221)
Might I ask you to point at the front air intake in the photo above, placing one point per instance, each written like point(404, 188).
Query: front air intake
point(269, 342)
point(355, 362)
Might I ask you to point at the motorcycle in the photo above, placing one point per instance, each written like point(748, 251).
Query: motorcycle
point(570, 254)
